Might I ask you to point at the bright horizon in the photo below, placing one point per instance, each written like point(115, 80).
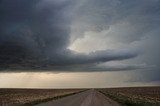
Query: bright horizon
point(70, 80)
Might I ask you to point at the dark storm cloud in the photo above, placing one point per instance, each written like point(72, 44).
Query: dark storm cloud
point(34, 24)
point(35, 34)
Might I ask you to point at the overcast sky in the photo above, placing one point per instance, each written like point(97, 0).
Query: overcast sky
point(77, 37)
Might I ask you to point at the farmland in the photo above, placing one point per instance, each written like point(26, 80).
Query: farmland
point(20, 97)
point(134, 96)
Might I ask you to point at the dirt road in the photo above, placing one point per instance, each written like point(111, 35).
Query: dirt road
point(87, 98)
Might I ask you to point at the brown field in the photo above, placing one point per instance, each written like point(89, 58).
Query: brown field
point(16, 97)
point(134, 96)
point(131, 96)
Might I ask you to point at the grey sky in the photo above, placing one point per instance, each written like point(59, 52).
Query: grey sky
point(37, 34)
point(81, 36)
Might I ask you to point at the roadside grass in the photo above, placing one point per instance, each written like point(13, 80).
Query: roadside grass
point(124, 101)
point(38, 101)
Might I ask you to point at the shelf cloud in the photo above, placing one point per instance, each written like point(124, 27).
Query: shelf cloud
point(37, 34)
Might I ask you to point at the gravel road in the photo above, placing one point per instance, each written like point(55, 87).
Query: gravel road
point(86, 98)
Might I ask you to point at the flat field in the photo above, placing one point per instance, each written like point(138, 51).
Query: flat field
point(27, 97)
point(134, 96)
point(129, 96)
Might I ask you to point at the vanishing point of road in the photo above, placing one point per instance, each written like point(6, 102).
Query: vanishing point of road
point(86, 98)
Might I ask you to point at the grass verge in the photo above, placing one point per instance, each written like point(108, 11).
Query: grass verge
point(124, 101)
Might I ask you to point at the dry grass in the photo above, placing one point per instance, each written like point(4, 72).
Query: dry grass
point(135, 96)
point(15, 97)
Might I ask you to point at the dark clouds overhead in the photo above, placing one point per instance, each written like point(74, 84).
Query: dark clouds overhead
point(36, 34)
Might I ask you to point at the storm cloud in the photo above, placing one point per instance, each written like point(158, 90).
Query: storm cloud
point(38, 34)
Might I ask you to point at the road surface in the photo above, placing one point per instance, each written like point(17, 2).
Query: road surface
point(86, 98)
